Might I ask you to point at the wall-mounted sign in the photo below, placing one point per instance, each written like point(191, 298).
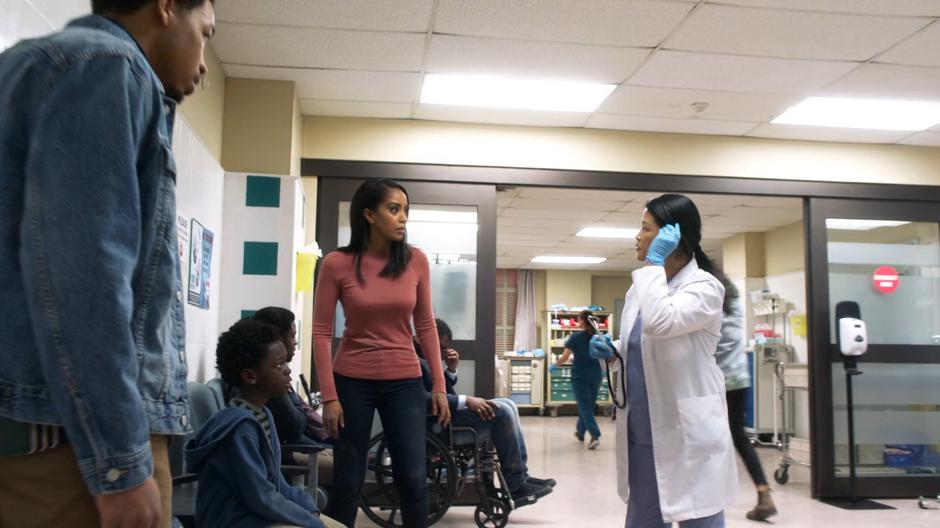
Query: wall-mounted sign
point(885, 279)
point(200, 265)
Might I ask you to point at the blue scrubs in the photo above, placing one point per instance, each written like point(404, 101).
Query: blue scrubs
point(643, 509)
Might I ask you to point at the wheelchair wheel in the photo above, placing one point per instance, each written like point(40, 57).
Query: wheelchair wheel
point(493, 513)
point(379, 498)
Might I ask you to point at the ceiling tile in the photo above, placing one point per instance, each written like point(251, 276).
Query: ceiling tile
point(680, 104)
point(924, 139)
point(499, 116)
point(638, 205)
point(722, 200)
point(318, 48)
point(919, 50)
point(768, 213)
point(660, 124)
point(606, 22)
point(509, 228)
point(886, 80)
point(781, 203)
point(528, 59)
point(343, 85)
point(544, 220)
point(558, 213)
point(624, 219)
point(811, 133)
point(554, 193)
point(731, 73)
point(867, 7)
point(383, 15)
point(355, 108)
point(568, 203)
point(790, 34)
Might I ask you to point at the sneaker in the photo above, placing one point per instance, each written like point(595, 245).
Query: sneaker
point(594, 443)
point(580, 438)
point(529, 490)
point(542, 482)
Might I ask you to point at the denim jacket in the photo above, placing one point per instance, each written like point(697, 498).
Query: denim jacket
point(91, 306)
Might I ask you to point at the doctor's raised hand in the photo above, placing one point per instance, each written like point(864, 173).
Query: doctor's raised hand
point(666, 241)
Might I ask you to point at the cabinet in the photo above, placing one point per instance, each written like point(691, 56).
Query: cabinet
point(559, 327)
point(524, 381)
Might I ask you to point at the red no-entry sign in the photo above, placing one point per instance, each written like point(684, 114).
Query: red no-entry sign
point(885, 279)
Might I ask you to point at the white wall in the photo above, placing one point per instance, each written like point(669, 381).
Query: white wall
point(20, 19)
point(280, 224)
point(199, 182)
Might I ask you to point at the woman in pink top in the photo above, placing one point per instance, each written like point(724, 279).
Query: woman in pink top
point(382, 283)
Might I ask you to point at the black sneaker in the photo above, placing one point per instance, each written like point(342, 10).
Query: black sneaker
point(542, 482)
point(528, 490)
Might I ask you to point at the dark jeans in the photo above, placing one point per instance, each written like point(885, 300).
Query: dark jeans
point(402, 408)
point(737, 399)
point(585, 394)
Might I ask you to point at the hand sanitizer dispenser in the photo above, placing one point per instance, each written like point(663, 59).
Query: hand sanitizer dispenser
point(853, 336)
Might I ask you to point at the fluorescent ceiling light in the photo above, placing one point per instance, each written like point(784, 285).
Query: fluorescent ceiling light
point(439, 215)
point(849, 224)
point(875, 114)
point(608, 232)
point(545, 259)
point(496, 92)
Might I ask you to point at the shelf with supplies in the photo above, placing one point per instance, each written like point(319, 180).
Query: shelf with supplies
point(560, 325)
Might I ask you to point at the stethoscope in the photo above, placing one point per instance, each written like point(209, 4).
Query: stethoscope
point(623, 371)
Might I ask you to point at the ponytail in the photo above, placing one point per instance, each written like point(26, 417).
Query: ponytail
point(703, 261)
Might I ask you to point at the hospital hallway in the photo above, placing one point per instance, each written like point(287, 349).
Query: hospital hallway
point(586, 491)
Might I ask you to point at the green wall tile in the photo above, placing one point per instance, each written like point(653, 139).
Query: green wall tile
point(263, 191)
point(260, 258)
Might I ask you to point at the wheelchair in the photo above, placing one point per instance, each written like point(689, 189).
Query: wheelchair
point(462, 470)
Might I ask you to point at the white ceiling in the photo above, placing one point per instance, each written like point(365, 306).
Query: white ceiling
point(747, 59)
point(543, 221)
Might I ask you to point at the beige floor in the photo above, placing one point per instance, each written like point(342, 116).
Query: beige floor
point(586, 491)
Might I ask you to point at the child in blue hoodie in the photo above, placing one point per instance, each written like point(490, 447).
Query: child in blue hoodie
point(236, 453)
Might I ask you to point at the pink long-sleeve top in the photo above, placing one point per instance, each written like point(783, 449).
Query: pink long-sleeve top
point(376, 342)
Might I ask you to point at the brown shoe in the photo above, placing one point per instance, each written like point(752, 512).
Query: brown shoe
point(765, 508)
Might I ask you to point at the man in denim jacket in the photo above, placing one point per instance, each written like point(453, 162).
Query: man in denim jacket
point(91, 304)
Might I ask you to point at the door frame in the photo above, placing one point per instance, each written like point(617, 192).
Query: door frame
point(821, 485)
point(483, 197)
point(826, 354)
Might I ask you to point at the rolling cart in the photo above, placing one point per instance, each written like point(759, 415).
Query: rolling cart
point(789, 378)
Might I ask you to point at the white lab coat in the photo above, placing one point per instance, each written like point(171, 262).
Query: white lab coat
point(692, 446)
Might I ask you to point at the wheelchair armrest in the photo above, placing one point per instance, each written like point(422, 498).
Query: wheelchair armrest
point(185, 478)
point(311, 448)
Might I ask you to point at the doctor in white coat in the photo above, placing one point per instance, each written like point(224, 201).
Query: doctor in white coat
point(675, 456)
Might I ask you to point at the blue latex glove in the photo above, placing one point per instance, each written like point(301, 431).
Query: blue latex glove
point(664, 244)
point(552, 367)
point(601, 347)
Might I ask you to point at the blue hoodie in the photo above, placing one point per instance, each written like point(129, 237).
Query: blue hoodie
point(240, 480)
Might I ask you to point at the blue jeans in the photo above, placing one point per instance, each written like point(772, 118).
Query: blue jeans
point(585, 394)
point(401, 406)
point(507, 438)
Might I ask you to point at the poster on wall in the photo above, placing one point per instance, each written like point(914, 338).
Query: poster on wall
point(200, 265)
point(182, 236)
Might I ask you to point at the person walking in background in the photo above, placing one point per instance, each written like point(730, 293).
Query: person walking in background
point(383, 284)
point(586, 377)
point(733, 363)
